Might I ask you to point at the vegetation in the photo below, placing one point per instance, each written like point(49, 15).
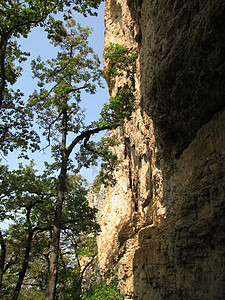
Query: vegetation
point(52, 224)
point(76, 68)
point(121, 63)
point(17, 18)
point(102, 291)
point(28, 200)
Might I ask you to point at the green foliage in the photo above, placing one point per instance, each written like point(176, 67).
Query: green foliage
point(78, 216)
point(119, 107)
point(36, 275)
point(70, 272)
point(16, 122)
point(120, 62)
point(28, 200)
point(74, 69)
point(92, 152)
point(37, 204)
point(69, 74)
point(113, 114)
point(17, 18)
point(22, 189)
point(84, 6)
point(87, 245)
point(103, 291)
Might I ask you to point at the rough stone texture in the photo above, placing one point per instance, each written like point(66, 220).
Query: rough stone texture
point(163, 222)
point(182, 66)
point(183, 258)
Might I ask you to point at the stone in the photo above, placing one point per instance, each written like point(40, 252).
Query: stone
point(162, 223)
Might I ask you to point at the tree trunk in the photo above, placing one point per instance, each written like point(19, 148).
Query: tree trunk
point(54, 248)
point(3, 46)
point(2, 257)
point(24, 266)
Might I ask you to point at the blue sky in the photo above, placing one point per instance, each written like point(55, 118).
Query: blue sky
point(37, 44)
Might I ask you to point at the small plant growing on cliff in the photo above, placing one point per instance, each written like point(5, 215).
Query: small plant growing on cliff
point(121, 63)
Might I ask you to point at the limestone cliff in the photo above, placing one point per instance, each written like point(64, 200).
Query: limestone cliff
point(162, 224)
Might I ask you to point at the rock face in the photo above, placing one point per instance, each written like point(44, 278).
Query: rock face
point(163, 222)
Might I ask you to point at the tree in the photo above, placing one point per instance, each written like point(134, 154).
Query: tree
point(26, 199)
point(29, 201)
point(17, 18)
point(75, 69)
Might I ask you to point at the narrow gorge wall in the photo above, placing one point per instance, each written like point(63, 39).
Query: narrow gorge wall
point(162, 223)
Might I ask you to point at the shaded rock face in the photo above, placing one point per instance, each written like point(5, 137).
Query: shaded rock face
point(163, 221)
point(182, 65)
point(183, 258)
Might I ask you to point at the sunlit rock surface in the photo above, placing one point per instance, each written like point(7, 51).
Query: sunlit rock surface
point(163, 222)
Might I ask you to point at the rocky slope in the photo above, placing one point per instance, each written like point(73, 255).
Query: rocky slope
point(162, 223)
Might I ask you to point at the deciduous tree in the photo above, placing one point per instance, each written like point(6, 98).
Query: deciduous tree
point(29, 202)
point(75, 69)
point(17, 18)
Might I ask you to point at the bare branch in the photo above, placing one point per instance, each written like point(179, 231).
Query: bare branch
point(58, 83)
point(70, 90)
point(86, 135)
point(49, 131)
point(87, 265)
